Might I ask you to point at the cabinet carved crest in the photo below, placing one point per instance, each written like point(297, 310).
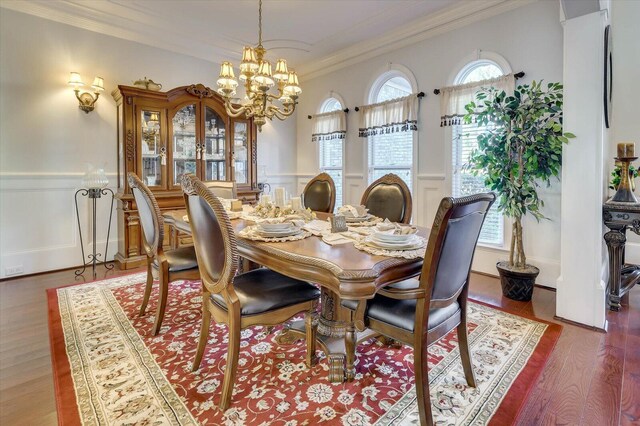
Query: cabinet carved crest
point(200, 90)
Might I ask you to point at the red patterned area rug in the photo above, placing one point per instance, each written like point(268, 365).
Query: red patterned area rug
point(109, 369)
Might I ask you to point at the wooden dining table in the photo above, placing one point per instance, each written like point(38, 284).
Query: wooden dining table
point(342, 272)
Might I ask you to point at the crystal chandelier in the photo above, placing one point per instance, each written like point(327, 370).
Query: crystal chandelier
point(258, 79)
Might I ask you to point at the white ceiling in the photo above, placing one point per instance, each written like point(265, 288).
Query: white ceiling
point(314, 36)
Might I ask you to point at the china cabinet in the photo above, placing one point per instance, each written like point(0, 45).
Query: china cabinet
point(163, 135)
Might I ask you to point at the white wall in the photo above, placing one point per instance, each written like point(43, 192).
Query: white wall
point(45, 140)
point(529, 38)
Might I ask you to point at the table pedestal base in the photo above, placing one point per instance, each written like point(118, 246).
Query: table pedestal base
point(340, 369)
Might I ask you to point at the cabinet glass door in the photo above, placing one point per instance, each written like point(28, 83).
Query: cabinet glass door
point(241, 151)
point(152, 149)
point(184, 142)
point(214, 151)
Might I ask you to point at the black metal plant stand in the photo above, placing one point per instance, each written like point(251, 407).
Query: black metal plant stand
point(94, 194)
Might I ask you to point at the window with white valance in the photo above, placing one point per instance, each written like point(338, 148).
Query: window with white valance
point(389, 124)
point(477, 74)
point(329, 130)
point(453, 99)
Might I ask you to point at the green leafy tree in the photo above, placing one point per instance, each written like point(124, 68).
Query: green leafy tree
point(521, 147)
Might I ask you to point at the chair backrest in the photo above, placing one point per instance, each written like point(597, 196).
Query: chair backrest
point(389, 198)
point(149, 213)
point(320, 194)
point(452, 243)
point(213, 236)
point(223, 189)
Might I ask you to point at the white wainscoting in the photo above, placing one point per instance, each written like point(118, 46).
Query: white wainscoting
point(39, 228)
point(354, 186)
point(288, 181)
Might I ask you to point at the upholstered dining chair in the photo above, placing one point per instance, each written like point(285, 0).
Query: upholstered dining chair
point(419, 312)
point(168, 266)
point(320, 194)
point(389, 198)
point(223, 189)
point(257, 297)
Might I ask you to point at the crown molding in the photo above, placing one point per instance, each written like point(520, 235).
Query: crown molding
point(150, 32)
point(432, 25)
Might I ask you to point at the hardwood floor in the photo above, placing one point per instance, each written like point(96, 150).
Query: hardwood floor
point(591, 378)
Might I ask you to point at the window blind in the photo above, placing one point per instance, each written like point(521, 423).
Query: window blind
point(391, 153)
point(465, 138)
point(331, 164)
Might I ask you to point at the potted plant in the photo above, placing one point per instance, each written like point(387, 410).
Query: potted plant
point(520, 148)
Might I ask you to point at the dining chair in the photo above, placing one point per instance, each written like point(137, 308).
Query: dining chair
point(223, 189)
point(389, 198)
point(168, 266)
point(320, 194)
point(420, 311)
point(258, 297)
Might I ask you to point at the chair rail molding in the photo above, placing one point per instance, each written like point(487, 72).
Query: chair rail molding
point(39, 225)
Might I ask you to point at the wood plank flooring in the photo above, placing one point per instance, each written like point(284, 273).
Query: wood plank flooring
point(591, 378)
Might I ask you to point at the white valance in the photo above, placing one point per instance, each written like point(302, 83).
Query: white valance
point(395, 115)
point(329, 125)
point(454, 98)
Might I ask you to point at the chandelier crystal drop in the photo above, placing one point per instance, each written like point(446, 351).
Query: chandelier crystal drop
point(258, 78)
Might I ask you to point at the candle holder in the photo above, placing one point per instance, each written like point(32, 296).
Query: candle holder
point(624, 194)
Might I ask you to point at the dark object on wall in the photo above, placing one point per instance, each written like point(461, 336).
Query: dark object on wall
point(516, 75)
point(517, 285)
point(608, 76)
point(419, 95)
point(345, 110)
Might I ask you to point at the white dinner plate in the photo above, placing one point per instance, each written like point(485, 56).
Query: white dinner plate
point(410, 245)
point(273, 227)
point(391, 238)
point(280, 234)
point(358, 219)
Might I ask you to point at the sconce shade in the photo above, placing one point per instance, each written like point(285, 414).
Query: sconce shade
point(98, 84)
point(75, 80)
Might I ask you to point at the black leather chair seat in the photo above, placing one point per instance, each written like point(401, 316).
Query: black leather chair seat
point(402, 313)
point(263, 290)
point(180, 259)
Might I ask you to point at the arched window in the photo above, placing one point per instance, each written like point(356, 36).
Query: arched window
point(331, 152)
point(391, 152)
point(464, 141)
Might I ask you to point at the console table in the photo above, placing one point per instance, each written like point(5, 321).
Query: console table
point(619, 217)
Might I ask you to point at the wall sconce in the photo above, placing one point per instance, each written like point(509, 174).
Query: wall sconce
point(86, 99)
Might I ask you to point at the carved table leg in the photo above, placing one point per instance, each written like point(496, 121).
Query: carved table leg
point(350, 343)
point(615, 244)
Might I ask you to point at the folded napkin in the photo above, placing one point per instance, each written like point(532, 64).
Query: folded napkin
point(334, 239)
point(353, 211)
point(318, 227)
point(392, 228)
